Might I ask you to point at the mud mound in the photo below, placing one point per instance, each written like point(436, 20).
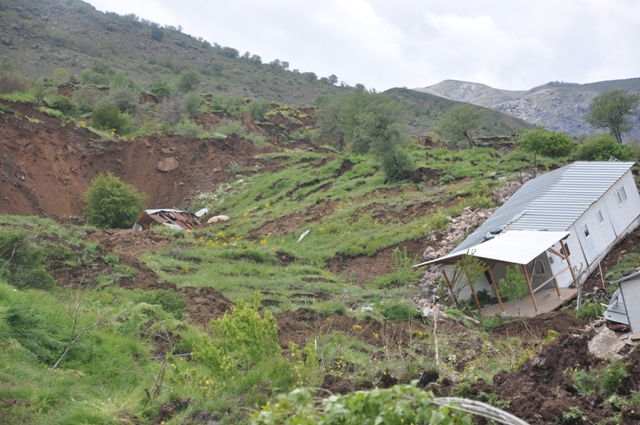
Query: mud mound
point(303, 325)
point(539, 326)
point(540, 391)
point(205, 304)
point(335, 385)
point(364, 269)
point(130, 242)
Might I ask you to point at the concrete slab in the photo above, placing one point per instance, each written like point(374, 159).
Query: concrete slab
point(547, 300)
point(605, 345)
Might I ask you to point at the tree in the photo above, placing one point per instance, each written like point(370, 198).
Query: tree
point(514, 286)
point(189, 80)
point(156, 33)
point(467, 271)
point(460, 122)
point(547, 143)
point(601, 147)
point(110, 203)
point(333, 79)
point(613, 110)
point(160, 88)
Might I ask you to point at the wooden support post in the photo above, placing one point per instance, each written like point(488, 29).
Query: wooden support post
point(451, 289)
point(533, 298)
point(566, 257)
point(601, 275)
point(473, 291)
point(555, 281)
point(495, 287)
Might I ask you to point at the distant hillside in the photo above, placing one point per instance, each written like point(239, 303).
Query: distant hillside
point(556, 105)
point(42, 36)
point(62, 38)
point(425, 110)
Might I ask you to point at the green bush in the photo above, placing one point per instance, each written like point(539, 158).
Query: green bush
point(189, 80)
point(62, 104)
point(547, 143)
point(589, 311)
point(160, 88)
point(601, 146)
point(192, 102)
point(397, 165)
point(87, 98)
point(258, 108)
point(107, 118)
point(21, 262)
point(394, 310)
point(156, 33)
point(110, 203)
point(187, 128)
point(124, 98)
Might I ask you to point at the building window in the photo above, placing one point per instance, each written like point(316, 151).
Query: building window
point(600, 217)
point(562, 251)
point(585, 229)
point(621, 195)
point(540, 268)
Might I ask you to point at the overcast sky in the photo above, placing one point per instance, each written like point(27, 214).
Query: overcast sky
point(513, 44)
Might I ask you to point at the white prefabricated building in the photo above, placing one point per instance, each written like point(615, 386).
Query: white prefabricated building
point(582, 209)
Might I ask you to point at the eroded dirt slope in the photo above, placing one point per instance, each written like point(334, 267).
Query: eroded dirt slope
point(46, 168)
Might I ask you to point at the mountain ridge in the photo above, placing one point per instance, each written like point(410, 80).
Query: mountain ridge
point(558, 106)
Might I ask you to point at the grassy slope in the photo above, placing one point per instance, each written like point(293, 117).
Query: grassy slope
point(74, 33)
point(104, 378)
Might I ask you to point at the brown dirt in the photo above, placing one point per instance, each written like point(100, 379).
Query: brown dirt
point(540, 391)
point(364, 269)
point(538, 327)
point(295, 222)
point(45, 168)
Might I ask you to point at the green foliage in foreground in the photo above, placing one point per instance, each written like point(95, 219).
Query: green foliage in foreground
point(110, 203)
point(401, 404)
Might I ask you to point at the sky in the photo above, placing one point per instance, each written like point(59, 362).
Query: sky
point(514, 45)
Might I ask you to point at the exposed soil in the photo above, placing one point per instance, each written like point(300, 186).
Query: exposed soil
point(45, 168)
point(538, 327)
point(295, 222)
point(364, 269)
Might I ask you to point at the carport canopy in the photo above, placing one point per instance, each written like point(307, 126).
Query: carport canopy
point(515, 247)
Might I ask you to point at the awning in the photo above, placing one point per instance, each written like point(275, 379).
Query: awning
point(514, 247)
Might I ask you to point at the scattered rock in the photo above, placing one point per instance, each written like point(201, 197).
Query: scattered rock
point(168, 164)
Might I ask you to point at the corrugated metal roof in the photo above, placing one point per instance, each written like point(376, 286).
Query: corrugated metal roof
point(553, 201)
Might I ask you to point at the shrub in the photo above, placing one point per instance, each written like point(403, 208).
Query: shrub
point(160, 88)
point(547, 143)
point(106, 117)
point(601, 146)
point(589, 311)
point(258, 108)
point(187, 128)
point(192, 102)
point(397, 165)
point(10, 82)
point(110, 203)
point(398, 311)
point(189, 80)
point(87, 98)
point(124, 98)
point(156, 33)
point(62, 104)
point(21, 262)
point(170, 110)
